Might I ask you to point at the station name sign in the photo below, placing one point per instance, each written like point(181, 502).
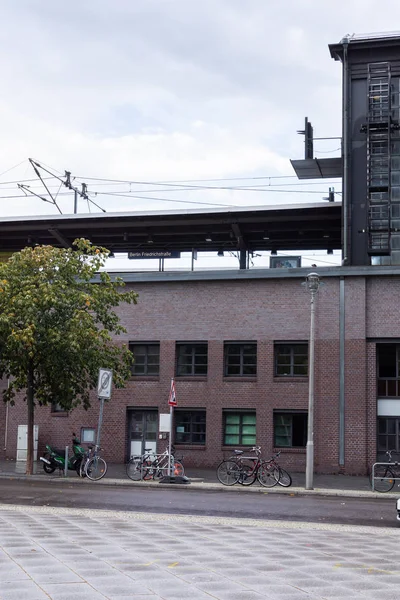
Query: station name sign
point(155, 254)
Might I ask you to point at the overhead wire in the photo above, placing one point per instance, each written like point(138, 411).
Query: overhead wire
point(14, 167)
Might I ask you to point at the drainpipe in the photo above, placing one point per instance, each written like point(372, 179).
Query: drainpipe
point(341, 372)
point(346, 152)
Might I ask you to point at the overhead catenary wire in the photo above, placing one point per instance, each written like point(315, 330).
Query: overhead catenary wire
point(172, 187)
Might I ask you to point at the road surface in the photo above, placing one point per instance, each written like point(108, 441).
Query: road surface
point(316, 509)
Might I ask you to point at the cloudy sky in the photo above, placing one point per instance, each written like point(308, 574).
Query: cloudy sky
point(164, 91)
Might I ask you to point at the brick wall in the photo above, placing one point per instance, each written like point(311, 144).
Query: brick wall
point(263, 310)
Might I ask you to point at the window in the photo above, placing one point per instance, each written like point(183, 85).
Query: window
point(388, 434)
point(57, 408)
point(190, 427)
point(240, 359)
point(290, 429)
point(146, 358)
point(87, 435)
point(191, 359)
point(388, 370)
point(239, 428)
point(291, 360)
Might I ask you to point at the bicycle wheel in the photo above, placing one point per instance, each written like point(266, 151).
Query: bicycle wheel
point(80, 467)
point(228, 472)
point(163, 471)
point(267, 474)
point(384, 479)
point(178, 470)
point(96, 468)
point(248, 473)
point(285, 479)
point(149, 469)
point(134, 469)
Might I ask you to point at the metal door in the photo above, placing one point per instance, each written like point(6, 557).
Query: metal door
point(142, 431)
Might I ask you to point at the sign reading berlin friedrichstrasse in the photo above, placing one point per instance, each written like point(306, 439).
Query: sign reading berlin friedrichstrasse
point(154, 254)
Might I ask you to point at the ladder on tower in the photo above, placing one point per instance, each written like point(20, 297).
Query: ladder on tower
point(378, 128)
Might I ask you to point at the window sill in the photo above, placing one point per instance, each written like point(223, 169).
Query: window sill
point(290, 379)
point(238, 447)
point(60, 414)
point(190, 447)
point(290, 450)
point(144, 378)
point(191, 377)
point(239, 378)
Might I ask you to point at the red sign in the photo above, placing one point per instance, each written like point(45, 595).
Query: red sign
point(172, 394)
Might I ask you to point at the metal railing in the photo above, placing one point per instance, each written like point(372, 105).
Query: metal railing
point(392, 469)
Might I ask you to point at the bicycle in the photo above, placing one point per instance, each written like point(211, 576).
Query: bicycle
point(384, 475)
point(93, 466)
point(153, 466)
point(285, 479)
point(246, 469)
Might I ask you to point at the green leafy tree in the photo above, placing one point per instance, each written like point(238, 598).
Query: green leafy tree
point(58, 327)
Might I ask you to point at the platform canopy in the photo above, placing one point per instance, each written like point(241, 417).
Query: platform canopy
point(286, 227)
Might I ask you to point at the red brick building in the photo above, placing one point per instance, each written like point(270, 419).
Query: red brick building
point(236, 343)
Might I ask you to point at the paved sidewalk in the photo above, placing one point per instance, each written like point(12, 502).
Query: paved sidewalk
point(205, 479)
point(78, 554)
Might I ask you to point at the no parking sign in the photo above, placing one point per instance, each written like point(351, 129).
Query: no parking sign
point(104, 384)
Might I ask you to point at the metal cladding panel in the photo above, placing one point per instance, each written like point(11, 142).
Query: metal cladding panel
point(318, 168)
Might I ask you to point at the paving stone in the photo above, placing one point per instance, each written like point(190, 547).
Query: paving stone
point(73, 591)
point(18, 590)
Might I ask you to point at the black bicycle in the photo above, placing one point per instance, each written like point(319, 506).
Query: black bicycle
point(242, 469)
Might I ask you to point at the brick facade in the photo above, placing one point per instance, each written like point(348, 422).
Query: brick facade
point(265, 310)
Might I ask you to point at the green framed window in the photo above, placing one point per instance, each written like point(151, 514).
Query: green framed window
point(239, 428)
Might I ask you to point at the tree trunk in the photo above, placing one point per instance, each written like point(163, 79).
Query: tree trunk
point(31, 409)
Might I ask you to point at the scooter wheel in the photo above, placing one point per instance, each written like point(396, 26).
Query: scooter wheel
point(48, 468)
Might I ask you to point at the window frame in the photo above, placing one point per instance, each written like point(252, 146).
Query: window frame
point(192, 364)
point(85, 429)
point(57, 409)
point(292, 363)
point(228, 346)
point(290, 414)
point(241, 434)
point(146, 355)
point(179, 413)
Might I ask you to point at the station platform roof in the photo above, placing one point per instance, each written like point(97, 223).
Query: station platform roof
point(285, 227)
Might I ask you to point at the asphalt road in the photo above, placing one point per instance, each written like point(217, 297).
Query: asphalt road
point(319, 509)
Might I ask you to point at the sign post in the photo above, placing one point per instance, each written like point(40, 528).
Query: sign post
point(172, 404)
point(103, 393)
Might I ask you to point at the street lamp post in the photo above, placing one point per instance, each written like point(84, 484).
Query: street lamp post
point(312, 283)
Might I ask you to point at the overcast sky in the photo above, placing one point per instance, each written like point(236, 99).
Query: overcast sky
point(171, 90)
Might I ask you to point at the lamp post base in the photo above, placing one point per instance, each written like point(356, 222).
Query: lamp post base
point(310, 466)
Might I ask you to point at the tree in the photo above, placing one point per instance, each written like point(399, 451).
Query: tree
point(57, 327)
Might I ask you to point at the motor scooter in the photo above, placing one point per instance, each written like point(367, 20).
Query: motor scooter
point(54, 458)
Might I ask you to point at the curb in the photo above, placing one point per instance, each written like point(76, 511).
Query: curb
point(198, 484)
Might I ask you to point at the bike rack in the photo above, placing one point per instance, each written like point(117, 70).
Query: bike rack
point(391, 464)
